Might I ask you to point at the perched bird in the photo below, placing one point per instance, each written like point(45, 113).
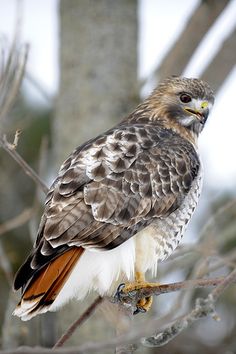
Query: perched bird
point(121, 202)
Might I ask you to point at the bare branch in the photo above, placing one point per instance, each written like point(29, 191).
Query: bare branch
point(6, 265)
point(16, 138)
point(134, 296)
point(17, 221)
point(212, 220)
point(223, 285)
point(89, 311)
point(34, 82)
point(23, 164)
point(180, 53)
point(222, 64)
point(9, 225)
point(203, 308)
point(12, 76)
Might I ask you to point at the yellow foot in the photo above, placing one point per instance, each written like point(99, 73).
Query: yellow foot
point(142, 305)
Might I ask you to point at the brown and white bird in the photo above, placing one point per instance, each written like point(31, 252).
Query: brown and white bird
point(120, 203)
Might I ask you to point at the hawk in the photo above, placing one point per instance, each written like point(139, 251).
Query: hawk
point(121, 202)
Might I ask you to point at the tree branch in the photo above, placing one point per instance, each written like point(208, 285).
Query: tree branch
point(222, 64)
point(12, 75)
point(68, 333)
point(134, 296)
point(180, 53)
point(6, 265)
point(135, 334)
point(10, 148)
point(203, 308)
point(17, 221)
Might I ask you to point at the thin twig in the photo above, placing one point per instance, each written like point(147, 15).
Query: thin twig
point(16, 82)
point(6, 265)
point(13, 67)
point(215, 216)
point(135, 334)
point(134, 296)
point(16, 138)
point(223, 285)
point(68, 333)
point(17, 221)
point(33, 81)
point(23, 164)
point(203, 308)
point(13, 75)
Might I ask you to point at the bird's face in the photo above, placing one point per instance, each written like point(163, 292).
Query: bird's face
point(194, 111)
point(187, 101)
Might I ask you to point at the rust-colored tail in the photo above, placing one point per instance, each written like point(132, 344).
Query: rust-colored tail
point(46, 284)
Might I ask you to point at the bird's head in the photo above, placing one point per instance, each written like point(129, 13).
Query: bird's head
point(184, 100)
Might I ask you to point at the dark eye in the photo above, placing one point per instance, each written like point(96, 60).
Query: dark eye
point(185, 98)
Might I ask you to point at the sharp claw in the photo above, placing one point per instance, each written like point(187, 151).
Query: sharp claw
point(117, 295)
point(136, 311)
point(139, 310)
point(121, 296)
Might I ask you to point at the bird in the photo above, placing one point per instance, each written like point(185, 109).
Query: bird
point(121, 202)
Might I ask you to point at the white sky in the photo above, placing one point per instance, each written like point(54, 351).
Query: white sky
point(160, 23)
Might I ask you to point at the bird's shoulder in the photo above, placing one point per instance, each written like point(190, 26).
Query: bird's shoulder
point(122, 149)
point(140, 160)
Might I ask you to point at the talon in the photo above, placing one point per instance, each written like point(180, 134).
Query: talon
point(127, 289)
point(118, 292)
point(136, 311)
point(139, 310)
point(143, 305)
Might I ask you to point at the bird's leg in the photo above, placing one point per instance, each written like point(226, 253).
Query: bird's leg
point(144, 304)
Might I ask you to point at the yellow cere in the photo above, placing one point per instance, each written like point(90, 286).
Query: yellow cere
point(204, 104)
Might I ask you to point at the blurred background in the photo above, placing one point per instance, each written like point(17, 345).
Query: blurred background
point(89, 63)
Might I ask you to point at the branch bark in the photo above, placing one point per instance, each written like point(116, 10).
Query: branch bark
point(202, 308)
point(222, 64)
point(17, 221)
point(134, 296)
point(11, 76)
point(88, 312)
point(180, 53)
point(10, 149)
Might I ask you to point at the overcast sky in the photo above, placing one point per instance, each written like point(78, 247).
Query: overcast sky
point(167, 18)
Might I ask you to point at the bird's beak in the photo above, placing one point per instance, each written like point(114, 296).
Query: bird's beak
point(200, 111)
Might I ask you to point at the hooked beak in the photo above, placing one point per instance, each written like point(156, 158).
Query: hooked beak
point(201, 113)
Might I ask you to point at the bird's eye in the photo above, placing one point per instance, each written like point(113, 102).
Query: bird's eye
point(185, 98)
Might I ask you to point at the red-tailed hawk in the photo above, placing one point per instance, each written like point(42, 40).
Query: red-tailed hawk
point(120, 203)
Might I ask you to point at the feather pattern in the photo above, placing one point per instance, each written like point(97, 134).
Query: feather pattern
point(137, 178)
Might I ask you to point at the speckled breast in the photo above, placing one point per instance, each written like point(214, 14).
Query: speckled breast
point(170, 230)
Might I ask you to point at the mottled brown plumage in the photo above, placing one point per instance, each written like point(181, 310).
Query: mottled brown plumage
point(143, 174)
